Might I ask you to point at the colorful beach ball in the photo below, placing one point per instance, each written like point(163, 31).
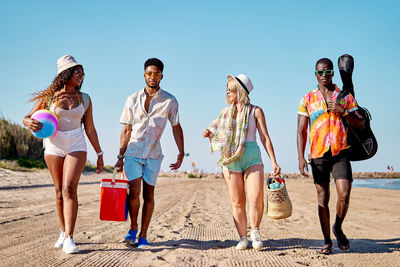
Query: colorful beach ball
point(49, 120)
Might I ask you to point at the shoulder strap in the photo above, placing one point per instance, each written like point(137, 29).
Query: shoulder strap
point(85, 100)
point(341, 95)
point(253, 108)
point(49, 103)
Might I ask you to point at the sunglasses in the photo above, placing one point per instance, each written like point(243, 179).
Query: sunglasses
point(322, 72)
point(78, 72)
point(230, 90)
point(156, 75)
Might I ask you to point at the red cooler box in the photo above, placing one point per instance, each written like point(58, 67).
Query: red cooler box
point(113, 199)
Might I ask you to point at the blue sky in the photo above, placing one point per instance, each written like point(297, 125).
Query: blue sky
point(275, 44)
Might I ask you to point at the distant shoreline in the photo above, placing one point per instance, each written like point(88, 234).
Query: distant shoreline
point(287, 175)
point(356, 175)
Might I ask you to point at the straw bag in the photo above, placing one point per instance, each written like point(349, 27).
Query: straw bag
point(279, 205)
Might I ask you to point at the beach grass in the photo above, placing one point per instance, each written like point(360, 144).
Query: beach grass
point(22, 164)
point(89, 167)
point(21, 151)
point(17, 142)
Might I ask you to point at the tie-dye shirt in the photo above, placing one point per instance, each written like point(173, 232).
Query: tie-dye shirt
point(147, 127)
point(327, 130)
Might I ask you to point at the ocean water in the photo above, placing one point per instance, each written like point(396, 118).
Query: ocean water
point(378, 183)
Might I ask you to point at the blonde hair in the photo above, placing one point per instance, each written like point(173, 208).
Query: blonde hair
point(242, 97)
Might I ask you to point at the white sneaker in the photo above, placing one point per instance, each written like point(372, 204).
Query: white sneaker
point(243, 243)
point(256, 239)
point(60, 240)
point(69, 246)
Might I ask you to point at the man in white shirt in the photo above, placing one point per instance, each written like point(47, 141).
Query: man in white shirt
point(144, 117)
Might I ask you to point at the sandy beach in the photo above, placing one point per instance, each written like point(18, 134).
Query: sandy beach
point(191, 226)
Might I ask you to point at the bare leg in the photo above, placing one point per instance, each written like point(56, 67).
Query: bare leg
point(134, 201)
point(148, 208)
point(225, 173)
point(343, 188)
point(237, 194)
point(254, 176)
point(73, 167)
point(323, 194)
point(55, 165)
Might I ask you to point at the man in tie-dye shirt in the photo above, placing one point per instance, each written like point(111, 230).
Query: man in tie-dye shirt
point(328, 147)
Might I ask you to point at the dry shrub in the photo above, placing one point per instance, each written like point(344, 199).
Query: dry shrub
point(17, 142)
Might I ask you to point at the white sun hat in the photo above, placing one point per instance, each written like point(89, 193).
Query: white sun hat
point(66, 62)
point(244, 81)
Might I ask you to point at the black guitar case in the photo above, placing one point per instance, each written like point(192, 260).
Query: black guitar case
point(363, 144)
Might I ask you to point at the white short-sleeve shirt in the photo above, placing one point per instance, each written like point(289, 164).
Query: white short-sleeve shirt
point(147, 128)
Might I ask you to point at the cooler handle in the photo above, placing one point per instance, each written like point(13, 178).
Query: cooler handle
point(114, 173)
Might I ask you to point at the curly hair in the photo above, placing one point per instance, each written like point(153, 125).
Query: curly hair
point(57, 84)
point(154, 62)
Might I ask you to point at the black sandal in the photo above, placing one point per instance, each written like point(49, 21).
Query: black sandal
point(342, 241)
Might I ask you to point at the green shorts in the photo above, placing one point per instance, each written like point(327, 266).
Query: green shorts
point(251, 156)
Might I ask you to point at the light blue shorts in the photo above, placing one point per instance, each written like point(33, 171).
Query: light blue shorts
point(148, 169)
point(251, 156)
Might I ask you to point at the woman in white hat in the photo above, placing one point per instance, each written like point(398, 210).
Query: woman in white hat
point(233, 134)
point(65, 152)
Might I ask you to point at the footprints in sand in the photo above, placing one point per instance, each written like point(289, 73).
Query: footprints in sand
point(191, 226)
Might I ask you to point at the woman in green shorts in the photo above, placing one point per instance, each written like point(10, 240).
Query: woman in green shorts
point(233, 134)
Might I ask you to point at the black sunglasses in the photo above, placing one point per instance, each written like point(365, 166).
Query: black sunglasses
point(79, 72)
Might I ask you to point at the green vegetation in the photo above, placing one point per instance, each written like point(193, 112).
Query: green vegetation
point(22, 164)
point(90, 167)
point(11, 165)
point(21, 151)
point(31, 163)
point(108, 168)
point(18, 143)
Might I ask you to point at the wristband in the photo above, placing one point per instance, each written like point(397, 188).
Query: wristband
point(120, 156)
point(345, 113)
point(100, 153)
